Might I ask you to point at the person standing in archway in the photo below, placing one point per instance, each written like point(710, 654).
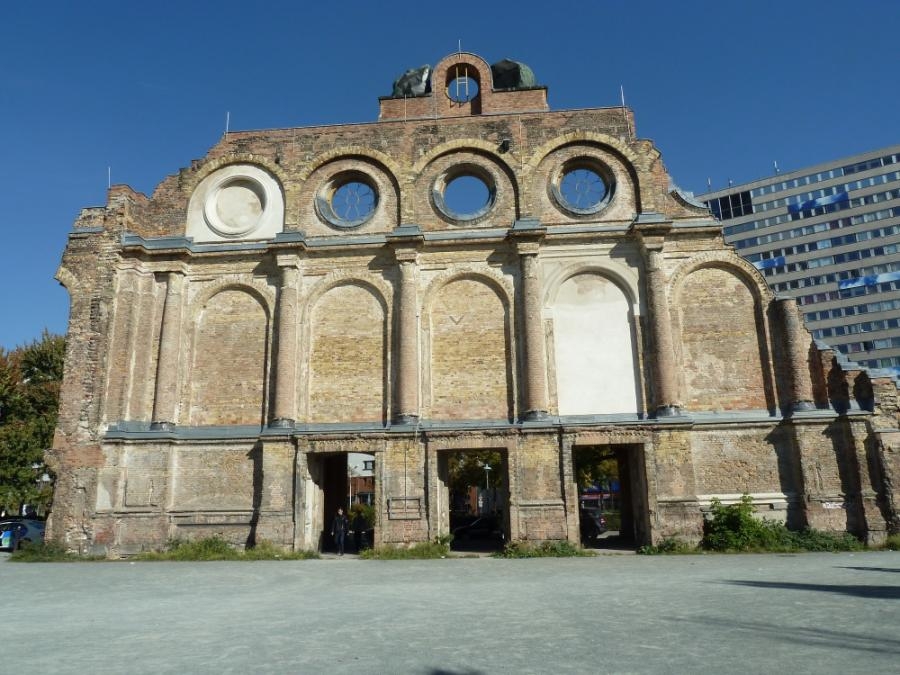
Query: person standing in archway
point(339, 527)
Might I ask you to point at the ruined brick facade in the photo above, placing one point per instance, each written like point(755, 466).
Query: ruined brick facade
point(236, 329)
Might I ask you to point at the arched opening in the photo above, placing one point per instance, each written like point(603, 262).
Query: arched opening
point(595, 350)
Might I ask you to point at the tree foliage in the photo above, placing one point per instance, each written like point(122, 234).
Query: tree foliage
point(468, 469)
point(595, 465)
point(30, 377)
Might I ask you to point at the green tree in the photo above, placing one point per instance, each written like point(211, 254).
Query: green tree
point(30, 377)
point(595, 464)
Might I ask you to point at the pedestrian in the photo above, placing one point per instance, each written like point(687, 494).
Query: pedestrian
point(339, 530)
point(360, 525)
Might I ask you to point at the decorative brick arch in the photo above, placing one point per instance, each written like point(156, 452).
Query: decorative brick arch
point(463, 144)
point(256, 288)
point(494, 394)
point(355, 157)
point(728, 261)
point(626, 278)
point(228, 412)
point(356, 389)
point(501, 285)
point(386, 163)
point(210, 166)
point(746, 388)
point(621, 151)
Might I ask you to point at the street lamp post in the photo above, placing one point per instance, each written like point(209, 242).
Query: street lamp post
point(487, 468)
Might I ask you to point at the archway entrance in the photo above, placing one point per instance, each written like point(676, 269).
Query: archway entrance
point(613, 512)
point(473, 497)
point(346, 481)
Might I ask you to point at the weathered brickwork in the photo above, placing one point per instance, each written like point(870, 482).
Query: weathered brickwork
point(347, 381)
point(303, 293)
point(721, 342)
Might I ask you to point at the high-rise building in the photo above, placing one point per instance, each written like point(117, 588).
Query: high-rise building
point(829, 236)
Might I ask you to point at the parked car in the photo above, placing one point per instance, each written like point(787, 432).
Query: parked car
point(482, 527)
point(14, 533)
point(593, 523)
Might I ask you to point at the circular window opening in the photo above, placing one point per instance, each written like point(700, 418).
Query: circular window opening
point(353, 201)
point(582, 188)
point(462, 88)
point(236, 207)
point(347, 200)
point(465, 197)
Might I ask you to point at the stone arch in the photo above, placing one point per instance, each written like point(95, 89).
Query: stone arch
point(259, 289)
point(726, 260)
point(388, 164)
point(210, 166)
point(227, 379)
point(456, 145)
point(595, 343)
point(722, 348)
point(467, 338)
point(388, 176)
point(626, 278)
point(604, 142)
point(485, 163)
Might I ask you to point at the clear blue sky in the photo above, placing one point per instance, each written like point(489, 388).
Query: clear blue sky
point(723, 88)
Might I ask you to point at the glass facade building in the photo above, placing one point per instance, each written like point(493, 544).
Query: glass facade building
point(829, 236)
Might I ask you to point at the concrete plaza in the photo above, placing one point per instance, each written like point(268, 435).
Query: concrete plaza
point(813, 613)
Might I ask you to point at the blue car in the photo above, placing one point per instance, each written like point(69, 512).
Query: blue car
point(14, 533)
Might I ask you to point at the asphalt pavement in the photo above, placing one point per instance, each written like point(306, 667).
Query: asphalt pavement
point(811, 613)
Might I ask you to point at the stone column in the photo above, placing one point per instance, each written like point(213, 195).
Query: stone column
point(797, 351)
point(535, 351)
point(285, 410)
point(165, 400)
point(666, 398)
point(407, 386)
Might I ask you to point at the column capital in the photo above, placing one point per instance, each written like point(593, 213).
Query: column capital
point(406, 254)
point(528, 248)
point(287, 260)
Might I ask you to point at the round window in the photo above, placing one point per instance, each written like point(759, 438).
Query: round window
point(235, 206)
point(462, 88)
point(466, 194)
point(347, 200)
point(583, 187)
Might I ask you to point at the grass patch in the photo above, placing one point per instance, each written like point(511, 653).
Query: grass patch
point(215, 548)
point(892, 543)
point(429, 550)
point(668, 546)
point(547, 549)
point(48, 551)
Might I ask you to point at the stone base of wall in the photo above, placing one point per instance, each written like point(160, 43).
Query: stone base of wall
point(822, 472)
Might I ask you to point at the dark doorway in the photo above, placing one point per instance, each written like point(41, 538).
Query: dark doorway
point(345, 481)
point(475, 489)
point(335, 491)
point(612, 496)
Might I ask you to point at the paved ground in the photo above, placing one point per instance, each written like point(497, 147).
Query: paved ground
point(815, 613)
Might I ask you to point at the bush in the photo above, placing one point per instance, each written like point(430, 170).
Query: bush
point(368, 512)
point(438, 548)
point(735, 528)
point(547, 549)
point(892, 543)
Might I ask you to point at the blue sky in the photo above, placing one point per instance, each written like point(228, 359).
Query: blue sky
point(723, 88)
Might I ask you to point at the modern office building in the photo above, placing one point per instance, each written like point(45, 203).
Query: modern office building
point(829, 236)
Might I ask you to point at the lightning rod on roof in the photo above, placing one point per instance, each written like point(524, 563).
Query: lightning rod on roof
point(227, 122)
point(108, 177)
